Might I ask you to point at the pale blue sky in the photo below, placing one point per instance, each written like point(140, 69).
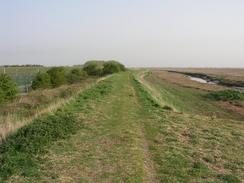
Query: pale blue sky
point(160, 33)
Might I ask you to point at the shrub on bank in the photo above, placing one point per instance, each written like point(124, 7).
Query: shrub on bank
point(57, 76)
point(93, 69)
point(1, 96)
point(111, 67)
point(226, 95)
point(76, 75)
point(98, 68)
point(42, 80)
point(8, 89)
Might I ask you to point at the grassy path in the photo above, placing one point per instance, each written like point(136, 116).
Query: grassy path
point(110, 148)
point(118, 133)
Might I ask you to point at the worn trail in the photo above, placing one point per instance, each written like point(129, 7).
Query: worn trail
point(120, 131)
point(111, 148)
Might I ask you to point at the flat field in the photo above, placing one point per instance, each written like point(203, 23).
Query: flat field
point(184, 80)
point(235, 74)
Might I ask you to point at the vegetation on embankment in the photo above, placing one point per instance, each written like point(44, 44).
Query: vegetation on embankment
point(123, 135)
point(187, 100)
point(226, 95)
point(20, 152)
point(110, 148)
point(55, 87)
point(101, 68)
point(17, 152)
point(57, 76)
point(8, 89)
point(29, 77)
point(27, 107)
point(193, 148)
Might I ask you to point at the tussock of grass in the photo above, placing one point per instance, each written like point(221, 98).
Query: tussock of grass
point(226, 95)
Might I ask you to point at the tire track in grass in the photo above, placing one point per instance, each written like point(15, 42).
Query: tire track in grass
point(148, 163)
point(111, 148)
point(110, 145)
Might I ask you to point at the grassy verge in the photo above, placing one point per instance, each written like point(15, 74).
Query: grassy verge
point(117, 132)
point(193, 148)
point(20, 152)
point(111, 145)
point(187, 100)
point(26, 105)
point(16, 114)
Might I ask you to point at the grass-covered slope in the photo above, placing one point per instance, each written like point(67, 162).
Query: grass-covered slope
point(188, 148)
point(119, 133)
point(186, 100)
point(20, 152)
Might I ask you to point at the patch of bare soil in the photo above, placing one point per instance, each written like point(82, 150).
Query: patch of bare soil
point(234, 107)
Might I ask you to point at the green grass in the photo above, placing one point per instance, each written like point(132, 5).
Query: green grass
point(20, 152)
point(226, 95)
point(187, 100)
point(110, 146)
point(193, 149)
point(120, 133)
point(24, 109)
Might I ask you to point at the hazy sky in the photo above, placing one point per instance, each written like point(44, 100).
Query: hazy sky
point(183, 33)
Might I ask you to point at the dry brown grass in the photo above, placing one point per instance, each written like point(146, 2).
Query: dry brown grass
point(11, 122)
point(185, 81)
point(234, 107)
point(22, 111)
point(25, 104)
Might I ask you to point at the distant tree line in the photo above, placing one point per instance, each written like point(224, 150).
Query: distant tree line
point(25, 65)
point(57, 76)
